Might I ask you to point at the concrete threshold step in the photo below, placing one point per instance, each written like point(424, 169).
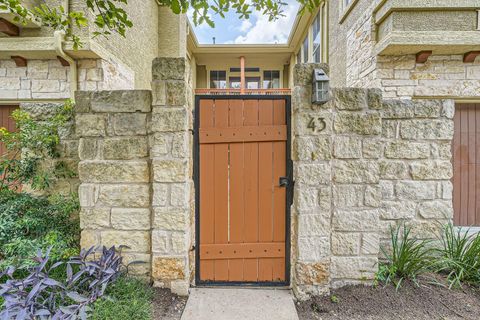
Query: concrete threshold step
point(240, 304)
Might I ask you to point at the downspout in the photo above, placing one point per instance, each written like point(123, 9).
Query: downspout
point(59, 39)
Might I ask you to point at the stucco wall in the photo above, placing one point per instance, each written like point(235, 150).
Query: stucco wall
point(140, 45)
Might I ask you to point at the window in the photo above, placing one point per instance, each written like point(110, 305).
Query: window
point(250, 82)
point(317, 38)
point(218, 79)
point(271, 79)
point(305, 50)
point(347, 2)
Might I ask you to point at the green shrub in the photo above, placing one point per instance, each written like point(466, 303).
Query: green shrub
point(459, 256)
point(408, 257)
point(127, 298)
point(29, 148)
point(29, 224)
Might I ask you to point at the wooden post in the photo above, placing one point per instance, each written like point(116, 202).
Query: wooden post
point(242, 74)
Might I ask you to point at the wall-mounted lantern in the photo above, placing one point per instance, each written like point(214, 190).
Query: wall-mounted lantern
point(320, 87)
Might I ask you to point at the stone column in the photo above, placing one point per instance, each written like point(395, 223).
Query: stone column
point(171, 154)
point(114, 172)
point(311, 210)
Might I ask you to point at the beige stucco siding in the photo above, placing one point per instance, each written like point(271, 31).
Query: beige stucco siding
point(140, 45)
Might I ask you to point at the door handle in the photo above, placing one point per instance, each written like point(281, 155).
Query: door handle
point(284, 181)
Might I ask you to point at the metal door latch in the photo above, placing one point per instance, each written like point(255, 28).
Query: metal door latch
point(284, 181)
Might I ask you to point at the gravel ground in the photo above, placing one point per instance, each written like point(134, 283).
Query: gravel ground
point(167, 305)
point(427, 301)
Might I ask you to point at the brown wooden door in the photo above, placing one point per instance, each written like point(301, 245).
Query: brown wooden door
point(7, 122)
point(466, 165)
point(242, 207)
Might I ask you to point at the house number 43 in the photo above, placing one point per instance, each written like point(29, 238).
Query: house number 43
point(317, 124)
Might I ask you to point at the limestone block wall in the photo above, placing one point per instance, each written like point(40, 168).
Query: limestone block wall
point(48, 79)
point(135, 150)
point(362, 165)
point(114, 170)
point(439, 76)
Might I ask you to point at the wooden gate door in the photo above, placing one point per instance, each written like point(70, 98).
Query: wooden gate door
point(243, 184)
point(466, 165)
point(6, 121)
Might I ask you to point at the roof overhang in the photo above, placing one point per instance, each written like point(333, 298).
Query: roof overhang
point(296, 33)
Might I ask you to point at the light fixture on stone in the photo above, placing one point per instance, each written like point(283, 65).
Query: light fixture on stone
point(321, 86)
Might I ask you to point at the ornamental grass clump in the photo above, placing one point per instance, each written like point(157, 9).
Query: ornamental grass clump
point(40, 295)
point(459, 256)
point(408, 258)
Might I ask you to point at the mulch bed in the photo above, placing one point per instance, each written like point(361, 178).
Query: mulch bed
point(427, 301)
point(167, 305)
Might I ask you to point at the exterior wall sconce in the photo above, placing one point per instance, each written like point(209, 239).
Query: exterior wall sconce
point(321, 87)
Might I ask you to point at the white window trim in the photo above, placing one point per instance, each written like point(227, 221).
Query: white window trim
point(345, 10)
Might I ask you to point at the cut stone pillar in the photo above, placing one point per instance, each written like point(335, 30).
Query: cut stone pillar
point(171, 155)
point(114, 172)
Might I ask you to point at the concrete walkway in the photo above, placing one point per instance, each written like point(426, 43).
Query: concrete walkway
point(239, 304)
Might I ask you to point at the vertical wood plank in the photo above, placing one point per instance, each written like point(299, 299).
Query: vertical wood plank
point(456, 165)
point(250, 266)
point(477, 166)
point(265, 190)
point(279, 195)
point(221, 189)
point(236, 189)
point(471, 165)
point(207, 190)
point(464, 167)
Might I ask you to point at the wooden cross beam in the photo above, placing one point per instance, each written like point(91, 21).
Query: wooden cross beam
point(9, 28)
point(63, 61)
point(20, 61)
point(470, 56)
point(422, 56)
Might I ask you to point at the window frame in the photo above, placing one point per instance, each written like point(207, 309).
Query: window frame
point(210, 81)
point(321, 18)
point(271, 79)
point(346, 8)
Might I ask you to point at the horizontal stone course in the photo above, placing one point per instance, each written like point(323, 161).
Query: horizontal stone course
point(356, 220)
point(124, 195)
point(129, 124)
point(130, 218)
point(114, 101)
point(110, 171)
point(356, 171)
point(431, 129)
point(407, 150)
point(90, 125)
point(431, 170)
point(169, 120)
point(125, 148)
point(360, 267)
point(363, 124)
point(135, 241)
